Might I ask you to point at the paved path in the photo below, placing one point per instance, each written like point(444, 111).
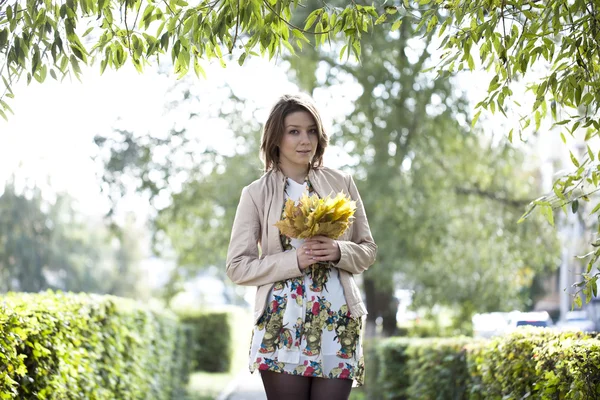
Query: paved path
point(246, 386)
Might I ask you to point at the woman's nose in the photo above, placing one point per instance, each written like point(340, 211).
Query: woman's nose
point(304, 137)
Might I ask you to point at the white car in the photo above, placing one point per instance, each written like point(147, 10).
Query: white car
point(577, 321)
point(539, 319)
point(488, 325)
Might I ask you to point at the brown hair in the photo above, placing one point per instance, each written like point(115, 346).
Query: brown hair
point(274, 129)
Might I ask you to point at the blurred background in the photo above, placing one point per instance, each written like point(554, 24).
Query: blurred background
point(127, 184)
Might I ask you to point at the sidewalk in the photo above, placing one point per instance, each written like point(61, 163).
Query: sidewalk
point(245, 386)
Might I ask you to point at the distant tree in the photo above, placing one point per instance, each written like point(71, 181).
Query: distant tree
point(194, 188)
point(443, 200)
point(48, 245)
point(25, 241)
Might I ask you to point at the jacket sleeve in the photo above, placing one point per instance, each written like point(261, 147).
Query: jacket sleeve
point(357, 254)
point(244, 265)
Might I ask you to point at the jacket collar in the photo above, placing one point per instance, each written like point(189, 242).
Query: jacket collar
point(314, 176)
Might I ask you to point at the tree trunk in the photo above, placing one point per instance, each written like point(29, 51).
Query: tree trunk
point(381, 303)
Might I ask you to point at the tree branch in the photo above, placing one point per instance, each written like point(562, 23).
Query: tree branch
point(496, 196)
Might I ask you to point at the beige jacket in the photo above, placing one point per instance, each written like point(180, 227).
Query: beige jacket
point(260, 207)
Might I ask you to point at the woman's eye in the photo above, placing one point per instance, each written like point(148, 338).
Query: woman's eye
point(294, 132)
point(313, 131)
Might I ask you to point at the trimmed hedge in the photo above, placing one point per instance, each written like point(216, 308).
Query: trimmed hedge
point(82, 346)
point(532, 363)
point(219, 337)
point(542, 364)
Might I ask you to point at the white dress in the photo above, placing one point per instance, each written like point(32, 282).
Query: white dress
point(306, 328)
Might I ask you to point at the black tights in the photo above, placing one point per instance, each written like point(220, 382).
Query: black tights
point(280, 386)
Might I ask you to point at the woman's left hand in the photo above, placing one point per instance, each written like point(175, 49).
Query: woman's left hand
point(322, 248)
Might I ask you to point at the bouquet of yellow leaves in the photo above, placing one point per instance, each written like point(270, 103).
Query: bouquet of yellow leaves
point(312, 216)
point(329, 217)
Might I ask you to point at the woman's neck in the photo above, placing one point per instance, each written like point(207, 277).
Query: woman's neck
point(297, 174)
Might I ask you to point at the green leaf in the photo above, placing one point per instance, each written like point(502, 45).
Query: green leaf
point(243, 57)
point(75, 65)
point(300, 35)
point(574, 160)
point(538, 120)
point(3, 37)
point(199, 70)
point(526, 214)
point(475, 118)
point(574, 206)
point(432, 23)
point(344, 48)
point(396, 25)
point(88, 31)
point(548, 213)
point(381, 19)
point(146, 17)
point(164, 40)
point(312, 18)
point(578, 301)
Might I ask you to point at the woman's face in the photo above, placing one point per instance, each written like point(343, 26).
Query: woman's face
point(299, 141)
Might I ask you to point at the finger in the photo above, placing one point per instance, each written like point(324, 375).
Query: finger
point(315, 250)
point(312, 240)
point(322, 252)
point(322, 239)
point(319, 246)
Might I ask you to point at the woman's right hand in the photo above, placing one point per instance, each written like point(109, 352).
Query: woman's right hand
point(305, 259)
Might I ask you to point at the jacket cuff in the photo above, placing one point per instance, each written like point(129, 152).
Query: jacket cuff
point(343, 255)
point(290, 261)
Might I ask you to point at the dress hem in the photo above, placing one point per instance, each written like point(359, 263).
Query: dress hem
point(356, 382)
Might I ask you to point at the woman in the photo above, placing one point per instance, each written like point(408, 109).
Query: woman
point(307, 335)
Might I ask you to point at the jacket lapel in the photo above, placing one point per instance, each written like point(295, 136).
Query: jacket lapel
point(275, 209)
point(321, 185)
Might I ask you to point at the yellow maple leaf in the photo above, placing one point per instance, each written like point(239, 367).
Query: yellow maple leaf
point(313, 216)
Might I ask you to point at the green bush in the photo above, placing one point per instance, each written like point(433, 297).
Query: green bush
point(217, 337)
point(569, 370)
point(526, 364)
point(80, 346)
point(386, 368)
point(437, 369)
point(418, 368)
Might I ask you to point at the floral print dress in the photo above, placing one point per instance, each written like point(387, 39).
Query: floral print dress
point(306, 328)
